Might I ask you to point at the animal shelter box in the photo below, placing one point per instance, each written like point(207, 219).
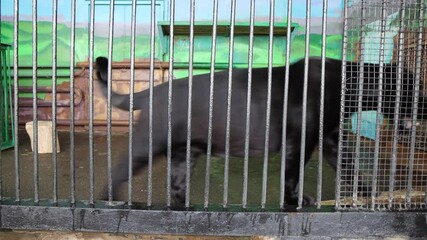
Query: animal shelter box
point(45, 136)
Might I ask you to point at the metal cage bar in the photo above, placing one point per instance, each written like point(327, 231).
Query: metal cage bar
point(304, 104)
point(268, 107)
point(248, 103)
point(397, 106)
point(284, 151)
point(359, 102)
point(322, 107)
point(170, 96)
point(345, 44)
point(131, 100)
point(229, 96)
point(2, 115)
point(54, 101)
point(379, 107)
point(15, 100)
point(189, 159)
point(211, 97)
point(150, 112)
point(72, 111)
point(35, 112)
point(110, 83)
point(91, 102)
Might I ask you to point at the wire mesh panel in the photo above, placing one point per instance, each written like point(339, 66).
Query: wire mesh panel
point(382, 153)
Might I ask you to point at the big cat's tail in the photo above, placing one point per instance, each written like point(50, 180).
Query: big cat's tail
point(121, 101)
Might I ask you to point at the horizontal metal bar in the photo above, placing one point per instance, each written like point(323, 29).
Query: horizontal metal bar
point(324, 225)
point(45, 67)
point(95, 123)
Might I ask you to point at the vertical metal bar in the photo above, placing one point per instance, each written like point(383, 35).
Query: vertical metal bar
point(3, 91)
point(72, 61)
point(229, 92)
point(248, 104)
point(342, 108)
point(10, 108)
point(285, 107)
point(131, 99)
point(359, 107)
point(91, 88)
point(54, 98)
point(10, 95)
point(150, 124)
point(415, 104)
point(322, 103)
point(304, 104)
point(10, 101)
point(397, 106)
point(170, 92)
point(15, 99)
point(268, 111)
point(190, 97)
point(211, 95)
point(35, 112)
point(379, 105)
point(4, 104)
point(110, 57)
point(4, 101)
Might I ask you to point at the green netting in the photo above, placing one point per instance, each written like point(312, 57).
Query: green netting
point(6, 109)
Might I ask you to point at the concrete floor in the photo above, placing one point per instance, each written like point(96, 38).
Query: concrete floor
point(119, 144)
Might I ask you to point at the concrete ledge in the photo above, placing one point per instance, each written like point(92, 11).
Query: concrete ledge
point(336, 224)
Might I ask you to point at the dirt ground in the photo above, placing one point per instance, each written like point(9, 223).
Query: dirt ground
point(139, 191)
